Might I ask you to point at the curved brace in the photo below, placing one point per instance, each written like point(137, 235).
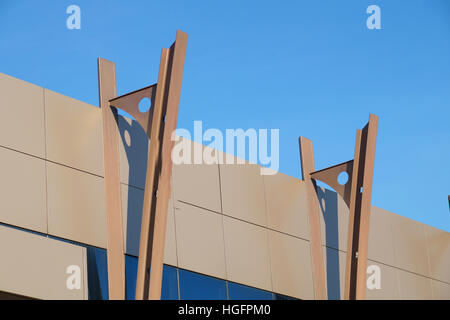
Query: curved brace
point(130, 103)
point(330, 177)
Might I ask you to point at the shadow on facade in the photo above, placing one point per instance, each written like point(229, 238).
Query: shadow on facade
point(328, 201)
point(135, 142)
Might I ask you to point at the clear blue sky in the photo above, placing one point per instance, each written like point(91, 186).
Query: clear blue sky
point(309, 68)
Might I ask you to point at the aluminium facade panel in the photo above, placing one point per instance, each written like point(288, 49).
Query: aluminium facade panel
point(388, 285)
point(38, 267)
point(381, 237)
point(286, 205)
point(438, 242)
point(413, 286)
point(247, 253)
point(410, 245)
point(73, 133)
point(441, 290)
point(242, 188)
point(23, 190)
point(22, 117)
point(198, 184)
point(76, 207)
point(290, 262)
point(200, 240)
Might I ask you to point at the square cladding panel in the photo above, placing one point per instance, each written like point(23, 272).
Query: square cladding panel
point(76, 205)
point(23, 177)
point(197, 184)
point(200, 240)
point(22, 126)
point(286, 204)
point(243, 195)
point(73, 133)
point(39, 267)
point(247, 253)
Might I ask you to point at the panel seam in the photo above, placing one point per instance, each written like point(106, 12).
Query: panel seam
point(267, 233)
point(223, 233)
point(45, 162)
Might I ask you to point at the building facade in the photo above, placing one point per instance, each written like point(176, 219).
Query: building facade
point(232, 233)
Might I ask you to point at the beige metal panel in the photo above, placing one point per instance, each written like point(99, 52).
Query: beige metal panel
point(133, 150)
point(170, 244)
point(36, 266)
point(73, 133)
point(242, 188)
point(413, 286)
point(335, 266)
point(438, 242)
point(287, 206)
point(76, 205)
point(198, 184)
point(334, 215)
point(441, 290)
point(247, 253)
point(132, 200)
point(381, 237)
point(22, 189)
point(22, 116)
point(200, 240)
point(290, 259)
point(410, 245)
point(389, 286)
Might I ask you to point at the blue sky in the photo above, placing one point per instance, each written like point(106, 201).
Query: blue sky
point(309, 68)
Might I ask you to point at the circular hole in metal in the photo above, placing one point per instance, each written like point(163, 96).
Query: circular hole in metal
point(323, 204)
point(342, 178)
point(127, 138)
point(144, 105)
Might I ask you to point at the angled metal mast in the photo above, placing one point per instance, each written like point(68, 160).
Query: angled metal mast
point(159, 123)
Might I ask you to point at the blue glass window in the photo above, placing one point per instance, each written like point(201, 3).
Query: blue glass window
point(97, 269)
point(194, 286)
point(282, 297)
point(131, 266)
point(169, 290)
point(240, 292)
